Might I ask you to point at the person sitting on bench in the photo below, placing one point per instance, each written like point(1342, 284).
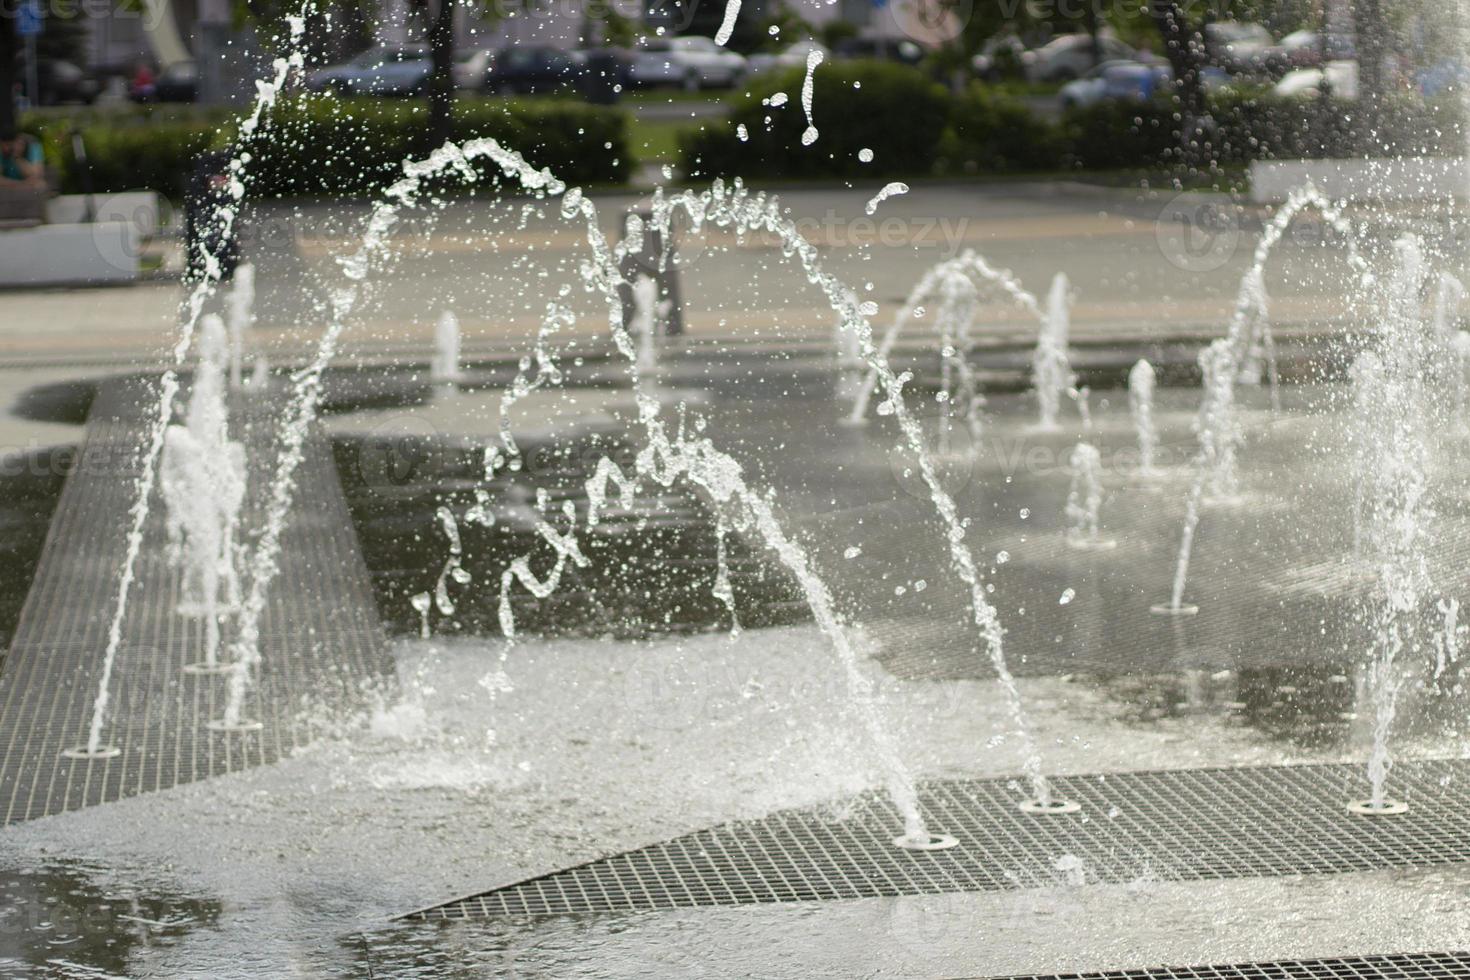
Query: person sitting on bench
point(21, 162)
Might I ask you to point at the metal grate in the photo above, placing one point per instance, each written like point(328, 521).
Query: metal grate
point(1393, 966)
point(1174, 825)
point(320, 633)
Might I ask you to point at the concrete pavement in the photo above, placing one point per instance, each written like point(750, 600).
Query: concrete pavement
point(1135, 266)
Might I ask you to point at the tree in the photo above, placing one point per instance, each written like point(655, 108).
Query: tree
point(1184, 46)
point(1373, 47)
point(438, 19)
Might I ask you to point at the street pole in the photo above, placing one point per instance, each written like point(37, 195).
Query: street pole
point(33, 74)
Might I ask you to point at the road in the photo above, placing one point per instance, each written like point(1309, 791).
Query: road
point(1135, 268)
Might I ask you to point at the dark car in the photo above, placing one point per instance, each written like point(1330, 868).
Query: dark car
point(1242, 48)
point(176, 83)
point(606, 73)
point(64, 83)
point(530, 69)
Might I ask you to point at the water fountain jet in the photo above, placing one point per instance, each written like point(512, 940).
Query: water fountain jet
point(1084, 501)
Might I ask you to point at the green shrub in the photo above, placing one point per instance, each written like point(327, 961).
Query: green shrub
point(990, 133)
point(1247, 126)
point(129, 152)
point(325, 146)
point(893, 110)
point(1120, 135)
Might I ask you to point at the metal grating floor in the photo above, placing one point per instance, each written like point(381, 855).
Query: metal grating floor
point(1392, 966)
point(320, 636)
point(1170, 825)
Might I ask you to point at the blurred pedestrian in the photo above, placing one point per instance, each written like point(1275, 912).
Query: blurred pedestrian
point(21, 161)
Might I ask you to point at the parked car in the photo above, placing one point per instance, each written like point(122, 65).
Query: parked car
point(1088, 90)
point(1241, 48)
point(999, 57)
point(692, 62)
point(178, 82)
point(1071, 56)
point(534, 69)
point(792, 57)
point(470, 68)
point(1305, 83)
point(377, 71)
point(65, 83)
point(1305, 49)
point(605, 73)
point(903, 51)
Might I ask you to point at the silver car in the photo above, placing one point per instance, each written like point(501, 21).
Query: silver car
point(692, 62)
point(377, 71)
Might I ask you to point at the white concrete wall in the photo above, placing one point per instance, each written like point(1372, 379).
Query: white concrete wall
point(138, 208)
point(72, 254)
point(1418, 179)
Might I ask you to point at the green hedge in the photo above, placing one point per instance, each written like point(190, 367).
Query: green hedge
point(917, 129)
point(1258, 126)
point(321, 145)
point(990, 132)
point(892, 110)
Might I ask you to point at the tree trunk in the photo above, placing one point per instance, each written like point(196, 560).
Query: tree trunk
point(441, 75)
point(1373, 45)
point(8, 114)
point(1185, 48)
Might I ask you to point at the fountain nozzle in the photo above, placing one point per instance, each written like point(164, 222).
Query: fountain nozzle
point(925, 842)
point(1377, 808)
point(81, 752)
point(1049, 806)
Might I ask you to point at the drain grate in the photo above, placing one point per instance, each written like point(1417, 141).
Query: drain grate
point(1393, 966)
point(320, 634)
point(1173, 825)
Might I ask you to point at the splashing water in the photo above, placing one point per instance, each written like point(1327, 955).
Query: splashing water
point(959, 392)
point(813, 59)
point(1395, 406)
point(645, 322)
point(1215, 422)
point(1141, 382)
point(1216, 426)
point(892, 189)
point(223, 221)
point(1051, 367)
point(240, 311)
point(928, 288)
point(727, 25)
point(695, 459)
point(446, 364)
point(1084, 499)
point(202, 480)
point(1215, 429)
point(306, 383)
